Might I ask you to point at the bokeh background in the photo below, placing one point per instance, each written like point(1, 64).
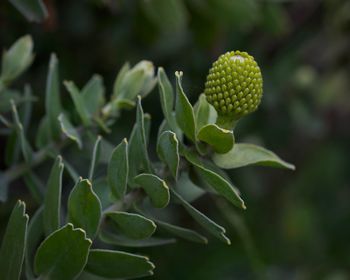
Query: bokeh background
point(297, 225)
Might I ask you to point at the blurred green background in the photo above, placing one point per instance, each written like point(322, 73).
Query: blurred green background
point(297, 225)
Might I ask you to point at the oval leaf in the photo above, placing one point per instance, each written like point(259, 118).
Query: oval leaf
point(220, 139)
point(117, 264)
point(184, 111)
point(215, 181)
point(52, 200)
point(156, 189)
point(168, 151)
point(84, 208)
point(248, 154)
point(133, 225)
point(118, 168)
point(13, 243)
point(204, 112)
point(63, 254)
point(123, 241)
point(212, 227)
point(93, 94)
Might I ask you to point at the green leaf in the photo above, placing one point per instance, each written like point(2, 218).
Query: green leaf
point(248, 154)
point(35, 186)
point(93, 94)
point(63, 254)
point(52, 201)
point(215, 181)
point(133, 225)
point(95, 157)
point(204, 112)
point(187, 189)
point(141, 134)
point(79, 102)
point(35, 233)
point(220, 139)
point(33, 10)
point(13, 243)
point(119, 80)
point(84, 208)
point(118, 168)
point(168, 151)
point(42, 138)
point(3, 188)
point(17, 59)
point(134, 152)
point(156, 189)
point(184, 233)
point(53, 105)
point(114, 239)
point(184, 111)
point(25, 147)
point(69, 130)
point(117, 264)
point(212, 227)
point(166, 94)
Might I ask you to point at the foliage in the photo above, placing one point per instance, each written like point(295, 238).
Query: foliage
point(121, 210)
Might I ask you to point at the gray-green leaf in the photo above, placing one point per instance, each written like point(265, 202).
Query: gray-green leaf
point(208, 224)
point(84, 208)
point(156, 189)
point(52, 200)
point(220, 139)
point(184, 111)
point(133, 225)
point(118, 168)
point(248, 154)
point(95, 157)
point(168, 151)
point(63, 254)
point(204, 112)
point(13, 243)
point(117, 264)
point(93, 94)
point(69, 130)
point(17, 59)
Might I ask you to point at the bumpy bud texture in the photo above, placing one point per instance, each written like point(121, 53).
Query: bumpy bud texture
point(234, 85)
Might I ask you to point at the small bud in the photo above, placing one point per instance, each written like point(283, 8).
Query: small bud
point(234, 85)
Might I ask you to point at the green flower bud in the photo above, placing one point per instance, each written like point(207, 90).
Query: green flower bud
point(234, 86)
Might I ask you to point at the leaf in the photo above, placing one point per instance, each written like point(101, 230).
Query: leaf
point(63, 254)
point(118, 168)
point(33, 10)
point(133, 225)
point(168, 151)
point(117, 264)
point(134, 152)
point(84, 208)
point(25, 147)
point(79, 102)
point(13, 243)
point(93, 94)
point(166, 94)
point(156, 189)
point(141, 134)
point(53, 105)
point(215, 181)
point(204, 112)
point(35, 186)
point(248, 154)
point(95, 157)
point(3, 188)
point(215, 229)
point(114, 239)
point(52, 201)
point(17, 59)
point(100, 187)
point(184, 111)
point(69, 130)
point(220, 139)
point(35, 233)
point(42, 138)
point(184, 233)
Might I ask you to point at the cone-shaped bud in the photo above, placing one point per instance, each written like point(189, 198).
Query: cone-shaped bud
point(234, 85)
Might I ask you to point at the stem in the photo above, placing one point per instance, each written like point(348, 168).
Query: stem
point(226, 122)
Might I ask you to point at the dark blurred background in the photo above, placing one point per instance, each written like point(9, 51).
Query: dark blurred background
point(297, 225)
